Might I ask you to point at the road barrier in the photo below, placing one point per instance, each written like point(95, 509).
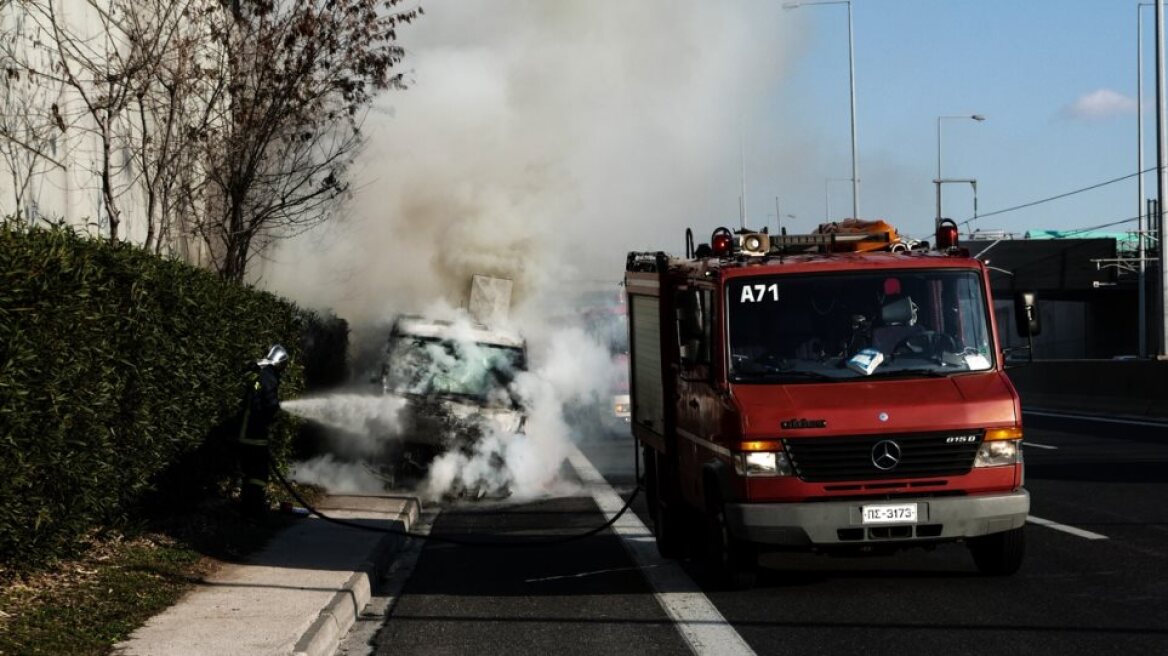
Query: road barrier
point(1137, 388)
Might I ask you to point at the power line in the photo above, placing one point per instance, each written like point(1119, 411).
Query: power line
point(1100, 226)
point(1063, 195)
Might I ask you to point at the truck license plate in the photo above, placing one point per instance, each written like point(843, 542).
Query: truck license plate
point(900, 513)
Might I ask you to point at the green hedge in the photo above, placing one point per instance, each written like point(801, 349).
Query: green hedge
point(119, 375)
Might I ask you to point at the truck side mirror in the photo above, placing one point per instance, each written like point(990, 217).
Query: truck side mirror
point(1026, 316)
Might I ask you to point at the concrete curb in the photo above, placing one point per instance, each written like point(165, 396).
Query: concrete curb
point(324, 635)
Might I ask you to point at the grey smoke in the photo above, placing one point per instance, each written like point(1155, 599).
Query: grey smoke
point(540, 141)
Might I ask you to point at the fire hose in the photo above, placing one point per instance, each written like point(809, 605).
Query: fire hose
point(538, 542)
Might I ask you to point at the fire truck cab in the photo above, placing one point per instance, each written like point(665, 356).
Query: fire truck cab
point(841, 390)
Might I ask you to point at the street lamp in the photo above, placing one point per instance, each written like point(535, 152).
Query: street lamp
point(852, 84)
point(974, 117)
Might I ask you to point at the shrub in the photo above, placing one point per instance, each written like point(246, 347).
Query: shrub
point(119, 375)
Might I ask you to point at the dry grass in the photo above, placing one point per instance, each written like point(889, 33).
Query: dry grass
point(87, 604)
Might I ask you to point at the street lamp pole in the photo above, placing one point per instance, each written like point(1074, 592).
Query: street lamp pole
point(852, 87)
point(938, 181)
point(1141, 201)
point(852, 82)
point(1161, 182)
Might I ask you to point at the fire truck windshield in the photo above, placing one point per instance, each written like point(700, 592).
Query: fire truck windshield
point(875, 324)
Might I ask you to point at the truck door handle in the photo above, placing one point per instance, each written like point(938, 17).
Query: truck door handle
point(693, 403)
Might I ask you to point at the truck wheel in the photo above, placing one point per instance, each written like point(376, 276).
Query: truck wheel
point(999, 554)
point(732, 563)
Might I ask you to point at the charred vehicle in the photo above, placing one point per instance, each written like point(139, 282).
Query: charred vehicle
point(455, 379)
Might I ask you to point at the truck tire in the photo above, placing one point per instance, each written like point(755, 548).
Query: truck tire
point(999, 554)
point(732, 563)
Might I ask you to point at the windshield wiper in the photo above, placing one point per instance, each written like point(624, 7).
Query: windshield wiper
point(792, 373)
point(917, 371)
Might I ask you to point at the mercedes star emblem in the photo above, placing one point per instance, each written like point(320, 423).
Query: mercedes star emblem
point(886, 455)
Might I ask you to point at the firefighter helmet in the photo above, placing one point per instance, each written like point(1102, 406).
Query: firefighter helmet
point(277, 357)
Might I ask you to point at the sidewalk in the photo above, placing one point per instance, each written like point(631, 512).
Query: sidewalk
point(300, 595)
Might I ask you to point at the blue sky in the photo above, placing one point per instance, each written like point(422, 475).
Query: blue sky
point(554, 137)
point(1056, 81)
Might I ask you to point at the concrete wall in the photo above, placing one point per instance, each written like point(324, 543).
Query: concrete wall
point(1120, 387)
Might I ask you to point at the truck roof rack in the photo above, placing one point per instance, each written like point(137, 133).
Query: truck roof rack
point(832, 241)
point(648, 261)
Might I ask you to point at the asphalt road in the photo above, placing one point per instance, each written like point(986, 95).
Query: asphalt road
point(1095, 582)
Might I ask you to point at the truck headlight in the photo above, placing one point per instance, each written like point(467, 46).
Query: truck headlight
point(762, 463)
point(998, 453)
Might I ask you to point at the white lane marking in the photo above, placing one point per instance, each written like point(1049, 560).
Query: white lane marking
point(1106, 420)
point(701, 624)
point(1039, 446)
point(1065, 529)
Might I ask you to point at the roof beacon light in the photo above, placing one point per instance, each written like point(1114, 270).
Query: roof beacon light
point(721, 243)
point(754, 243)
point(946, 235)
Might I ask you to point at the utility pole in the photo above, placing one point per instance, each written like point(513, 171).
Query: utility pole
point(742, 160)
point(1141, 203)
point(1161, 182)
point(852, 83)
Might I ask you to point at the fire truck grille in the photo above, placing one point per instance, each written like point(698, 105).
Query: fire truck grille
point(880, 457)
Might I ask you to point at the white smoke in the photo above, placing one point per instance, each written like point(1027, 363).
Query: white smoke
point(487, 456)
point(540, 141)
point(338, 477)
point(574, 369)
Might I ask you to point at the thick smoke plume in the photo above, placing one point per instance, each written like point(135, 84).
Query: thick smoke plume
point(541, 141)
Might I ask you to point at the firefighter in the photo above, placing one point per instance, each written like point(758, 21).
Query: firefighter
point(260, 404)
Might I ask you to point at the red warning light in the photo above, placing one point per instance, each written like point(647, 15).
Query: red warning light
point(721, 243)
point(946, 235)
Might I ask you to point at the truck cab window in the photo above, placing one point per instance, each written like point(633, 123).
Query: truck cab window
point(694, 325)
point(806, 328)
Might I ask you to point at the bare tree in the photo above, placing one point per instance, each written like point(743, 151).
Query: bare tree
point(27, 128)
point(108, 63)
point(301, 74)
point(171, 113)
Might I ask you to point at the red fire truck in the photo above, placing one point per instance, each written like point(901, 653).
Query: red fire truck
point(835, 391)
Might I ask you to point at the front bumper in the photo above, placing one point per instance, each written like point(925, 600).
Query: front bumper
point(829, 523)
